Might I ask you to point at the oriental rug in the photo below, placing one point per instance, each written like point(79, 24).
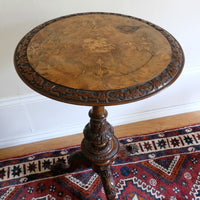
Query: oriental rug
point(166, 166)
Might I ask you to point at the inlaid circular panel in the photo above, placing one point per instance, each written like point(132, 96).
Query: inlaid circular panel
point(102, 52)
point(98, 59)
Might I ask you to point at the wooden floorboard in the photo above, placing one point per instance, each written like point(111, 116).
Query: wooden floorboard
point(137, 128)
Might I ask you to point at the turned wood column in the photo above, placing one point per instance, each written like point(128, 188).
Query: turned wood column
point(100, 146)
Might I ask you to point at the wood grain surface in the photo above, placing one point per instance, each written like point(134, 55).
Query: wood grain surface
point(99, 52)
point(98, 59)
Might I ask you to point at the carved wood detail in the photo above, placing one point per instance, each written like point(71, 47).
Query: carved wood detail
point(104, 97)
point(99, 144)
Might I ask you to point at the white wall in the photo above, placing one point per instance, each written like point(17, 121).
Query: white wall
point(26, 116)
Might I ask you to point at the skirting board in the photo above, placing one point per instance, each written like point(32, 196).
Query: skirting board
point(124, 119)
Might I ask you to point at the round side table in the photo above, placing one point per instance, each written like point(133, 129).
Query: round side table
point(98, 59)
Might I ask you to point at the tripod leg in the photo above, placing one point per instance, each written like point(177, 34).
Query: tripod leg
point(107, 180)
point(75, 161)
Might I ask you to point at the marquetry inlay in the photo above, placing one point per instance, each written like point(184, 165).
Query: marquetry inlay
point(98, 52)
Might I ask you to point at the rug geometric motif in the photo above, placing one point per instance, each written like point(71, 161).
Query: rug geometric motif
point(169, 168)
point(165, 166)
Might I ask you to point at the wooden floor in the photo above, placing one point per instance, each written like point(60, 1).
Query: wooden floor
point(143, 127)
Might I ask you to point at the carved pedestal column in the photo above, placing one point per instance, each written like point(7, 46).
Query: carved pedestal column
point(100, 146)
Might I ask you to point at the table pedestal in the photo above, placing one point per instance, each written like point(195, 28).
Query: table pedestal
point(99, 149)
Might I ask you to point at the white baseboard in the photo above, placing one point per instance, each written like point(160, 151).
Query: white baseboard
point(36, 137)
point(157, 113)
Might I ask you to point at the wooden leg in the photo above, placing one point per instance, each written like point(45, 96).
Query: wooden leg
point(107, 180)
point(75, 161)
point(133, 148)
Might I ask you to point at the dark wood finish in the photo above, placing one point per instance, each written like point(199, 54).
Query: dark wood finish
point(99, 149)
point(98, 59)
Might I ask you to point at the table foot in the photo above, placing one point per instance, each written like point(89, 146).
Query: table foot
point(107, 180)
point(132, 148)
point(75, 161)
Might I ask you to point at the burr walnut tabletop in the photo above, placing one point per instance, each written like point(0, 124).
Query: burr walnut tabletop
point(98, 59)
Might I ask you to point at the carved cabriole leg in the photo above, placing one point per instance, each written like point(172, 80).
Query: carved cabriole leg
point(75, 161)
point(107, 180)
point(101, 147)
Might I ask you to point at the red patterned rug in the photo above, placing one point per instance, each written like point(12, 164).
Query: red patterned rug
point(165, 166)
